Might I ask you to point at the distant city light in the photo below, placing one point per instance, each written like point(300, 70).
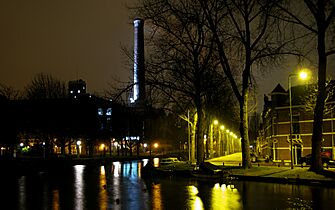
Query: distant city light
point(102, 146)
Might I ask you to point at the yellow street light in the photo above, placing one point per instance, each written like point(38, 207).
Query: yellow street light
point(156, 145)
point(222, 127)
point(216, 122)
point(303, 75)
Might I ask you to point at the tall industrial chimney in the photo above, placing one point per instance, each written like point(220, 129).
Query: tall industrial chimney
point(139, 71)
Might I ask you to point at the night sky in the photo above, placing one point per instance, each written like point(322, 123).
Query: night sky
point(79, 39)
point(69, 39)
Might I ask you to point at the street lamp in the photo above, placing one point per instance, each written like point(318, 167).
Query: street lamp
point(211, 143)
point(303, 76)
point(78, 147)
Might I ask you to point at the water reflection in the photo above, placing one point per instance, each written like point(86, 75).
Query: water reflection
point(226, 197)
point(55, 200)
point(156, 197)
point(79, 187)
point(103, 193)
point(22, 192)
point(119, 186)
point(194, 202)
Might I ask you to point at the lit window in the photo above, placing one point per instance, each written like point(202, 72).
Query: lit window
point(78, 91)
point(71, 91)
point(83, 88)
point(100, 111)
point(109, 111)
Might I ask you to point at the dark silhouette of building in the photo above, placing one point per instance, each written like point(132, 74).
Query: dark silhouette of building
point(76, 88)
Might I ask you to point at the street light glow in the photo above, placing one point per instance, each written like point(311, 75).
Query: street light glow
point(216, 122)
point(303, 75)
point(222, 127)
point(155, 145)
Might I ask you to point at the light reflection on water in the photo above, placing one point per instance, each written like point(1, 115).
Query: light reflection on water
point(79, 186)
point(103, 193)
point(120, 186)
point(22, 193)
point(194, 202)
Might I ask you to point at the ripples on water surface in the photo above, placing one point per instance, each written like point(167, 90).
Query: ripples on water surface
point(120, 186)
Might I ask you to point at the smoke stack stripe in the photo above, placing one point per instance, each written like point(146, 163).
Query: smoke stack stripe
point(139, 71)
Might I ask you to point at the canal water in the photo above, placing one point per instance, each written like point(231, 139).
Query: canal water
point(120, 186)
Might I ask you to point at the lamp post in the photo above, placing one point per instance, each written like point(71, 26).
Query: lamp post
point(78, 148)
point(302, 75)
point(220, 153)
point(215, 123)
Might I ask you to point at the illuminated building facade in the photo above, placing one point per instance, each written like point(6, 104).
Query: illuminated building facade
point(274, 136)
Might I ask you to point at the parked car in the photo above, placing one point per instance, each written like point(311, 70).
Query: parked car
point(326, 160)
point(170, 160)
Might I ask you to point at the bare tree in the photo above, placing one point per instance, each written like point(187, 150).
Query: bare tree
point(245, 35)
point(309, 99)
point(316, 18)
point(9, 92)
point(181, 62)
point(45, 86)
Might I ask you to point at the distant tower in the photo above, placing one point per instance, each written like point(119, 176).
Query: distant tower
point(139, 71)
point(76, 88)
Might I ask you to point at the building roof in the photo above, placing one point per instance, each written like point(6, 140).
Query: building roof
point(278, 89)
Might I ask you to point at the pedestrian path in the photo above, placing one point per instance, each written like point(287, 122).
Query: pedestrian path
point(271, 171)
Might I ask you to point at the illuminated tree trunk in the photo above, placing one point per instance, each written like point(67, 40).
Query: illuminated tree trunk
point(199, 134)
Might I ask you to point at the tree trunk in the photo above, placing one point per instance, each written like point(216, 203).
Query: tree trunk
point(316, 164)
point(69, 146)
point(246, 163)
point(193, 140)
point(199, 136)
point(62, 140)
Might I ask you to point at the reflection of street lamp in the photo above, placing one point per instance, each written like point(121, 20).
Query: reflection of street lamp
point(303, 76)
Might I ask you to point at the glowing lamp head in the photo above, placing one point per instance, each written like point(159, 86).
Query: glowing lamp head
point(303, 75)
point(216, 122)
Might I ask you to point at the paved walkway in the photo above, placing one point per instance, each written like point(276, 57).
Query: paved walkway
point(268, 172)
